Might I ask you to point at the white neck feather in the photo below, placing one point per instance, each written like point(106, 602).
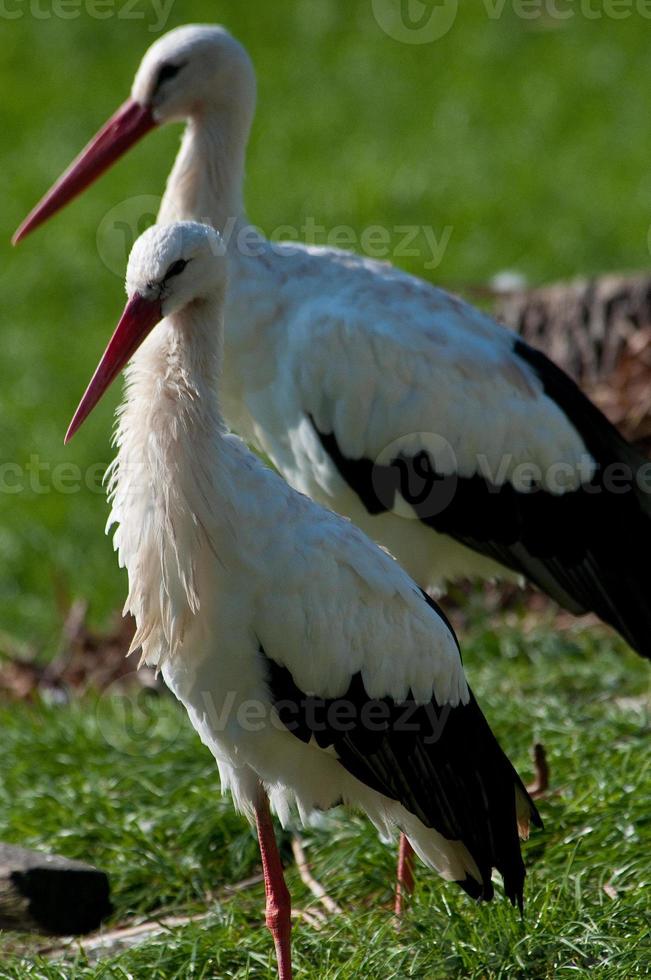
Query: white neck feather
point(164, 482)
point(206, 181)
point(206, 184)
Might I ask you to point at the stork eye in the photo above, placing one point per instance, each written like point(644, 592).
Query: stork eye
point(176, 268)
point(166, 72)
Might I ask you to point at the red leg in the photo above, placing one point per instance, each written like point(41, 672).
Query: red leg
point(405, 881)
point(278, 911)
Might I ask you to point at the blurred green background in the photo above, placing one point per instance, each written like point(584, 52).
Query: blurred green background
point(527, 137)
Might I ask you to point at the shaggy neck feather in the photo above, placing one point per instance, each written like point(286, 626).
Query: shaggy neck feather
point(165, 482)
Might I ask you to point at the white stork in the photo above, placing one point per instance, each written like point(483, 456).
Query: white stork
point(446, 438)
point(310, 664)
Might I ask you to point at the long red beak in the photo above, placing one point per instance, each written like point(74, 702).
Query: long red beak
point(123, 129)
point(139, 318)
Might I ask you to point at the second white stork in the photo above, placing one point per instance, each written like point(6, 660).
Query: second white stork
point(446, 438)
point(312, 667)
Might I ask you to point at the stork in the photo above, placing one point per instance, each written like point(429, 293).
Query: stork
point(442, 435)
point(314, 669)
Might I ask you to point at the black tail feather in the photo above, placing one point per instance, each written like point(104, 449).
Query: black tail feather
point(608, 521)
point(442, 763)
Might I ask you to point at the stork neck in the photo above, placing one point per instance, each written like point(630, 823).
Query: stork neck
point(206, 182)
point(166, 485)
point(177, 367)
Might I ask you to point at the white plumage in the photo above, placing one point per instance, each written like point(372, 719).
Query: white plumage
point(240, 585)
point(367, 387)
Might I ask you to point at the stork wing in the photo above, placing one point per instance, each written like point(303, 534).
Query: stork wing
point(451, 417)
point(340, 606)
point(364, 664)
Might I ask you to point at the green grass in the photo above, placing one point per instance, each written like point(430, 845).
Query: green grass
point(144, 804)
point(527, 139)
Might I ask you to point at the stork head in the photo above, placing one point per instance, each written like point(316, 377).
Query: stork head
point(187, 72)
point(193, 68)
point(170, 267)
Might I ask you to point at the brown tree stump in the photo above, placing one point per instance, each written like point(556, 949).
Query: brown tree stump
point(599, 331)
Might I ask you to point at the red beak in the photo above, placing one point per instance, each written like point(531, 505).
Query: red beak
point(123, 129)
point(139, 318)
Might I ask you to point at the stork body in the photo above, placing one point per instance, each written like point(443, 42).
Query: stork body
point(296, 645)
point(447, 439)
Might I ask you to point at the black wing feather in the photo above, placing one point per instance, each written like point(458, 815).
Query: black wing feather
point(588, 549)
point(442, 763)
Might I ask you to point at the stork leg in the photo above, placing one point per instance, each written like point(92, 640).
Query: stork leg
point(278, 910)
point(405, 877)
